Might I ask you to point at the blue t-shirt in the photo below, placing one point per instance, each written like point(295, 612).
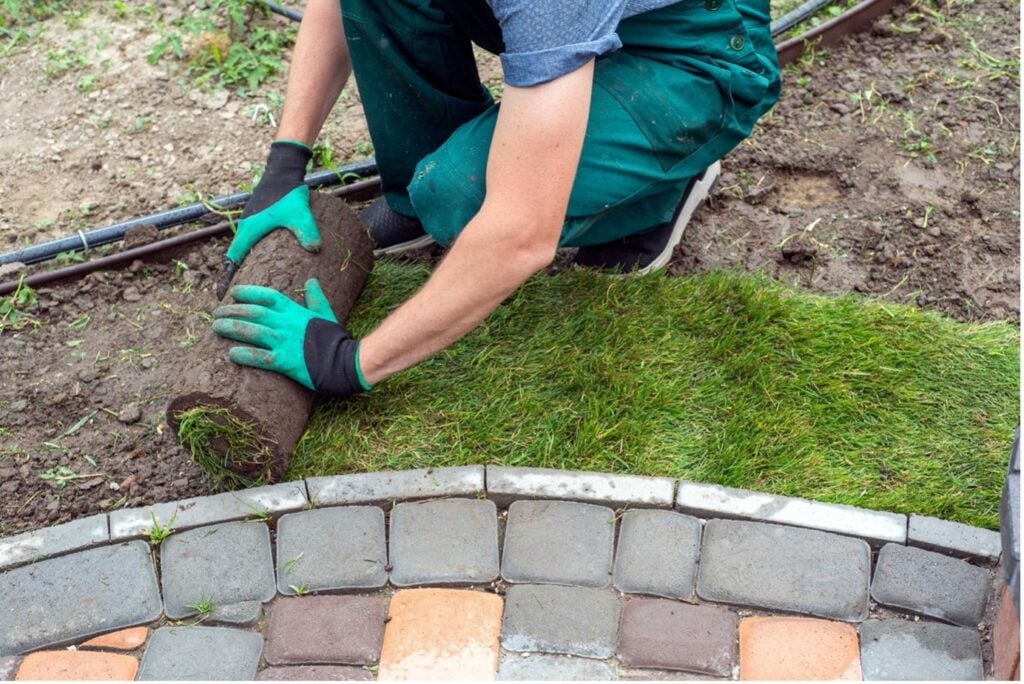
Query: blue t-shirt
point(545, 39)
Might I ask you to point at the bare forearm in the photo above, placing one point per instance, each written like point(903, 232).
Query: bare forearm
point(320, 68)
point(479, 272)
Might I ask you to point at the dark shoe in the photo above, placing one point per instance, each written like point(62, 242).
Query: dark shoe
point(391, 232)
point(647, 252)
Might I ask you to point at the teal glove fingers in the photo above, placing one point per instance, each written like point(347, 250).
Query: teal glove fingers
point(274, 325)
point(291, 212)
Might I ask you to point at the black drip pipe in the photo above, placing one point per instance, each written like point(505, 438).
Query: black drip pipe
point(283, 11)
point(797, 16)
point(166, 219)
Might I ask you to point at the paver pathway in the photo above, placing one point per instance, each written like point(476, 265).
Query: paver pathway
point(554, 575)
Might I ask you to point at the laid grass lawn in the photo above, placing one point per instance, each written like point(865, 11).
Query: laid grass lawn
point(720, 378)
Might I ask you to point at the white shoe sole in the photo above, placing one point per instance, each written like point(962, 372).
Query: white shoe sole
point(403, 247)
point(700, 191)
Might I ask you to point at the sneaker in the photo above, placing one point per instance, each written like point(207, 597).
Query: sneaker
point(647, 252)
point(391, 232)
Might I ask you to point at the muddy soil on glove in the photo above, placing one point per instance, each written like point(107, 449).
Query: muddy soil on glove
point(889, 168)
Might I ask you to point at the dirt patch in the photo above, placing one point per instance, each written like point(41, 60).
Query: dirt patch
point(877, 173)
point(889, 168)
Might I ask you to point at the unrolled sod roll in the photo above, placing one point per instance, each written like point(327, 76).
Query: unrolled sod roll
point(242, 424)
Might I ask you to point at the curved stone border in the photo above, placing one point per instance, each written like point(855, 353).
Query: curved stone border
point(503, 485)
point(556, 565)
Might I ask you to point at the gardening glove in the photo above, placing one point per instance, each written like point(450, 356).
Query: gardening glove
point(306, 343)
point(280, 200)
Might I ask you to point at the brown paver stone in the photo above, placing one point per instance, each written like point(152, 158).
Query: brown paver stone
point(315, 673)
point(342, 630)
point(441, 634)
point(1006, 638)
point(788, 648)
point(77, 665)
point(670, 635)
point(122, 640)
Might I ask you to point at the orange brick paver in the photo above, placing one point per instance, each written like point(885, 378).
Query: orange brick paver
point(796, 648)
point(77, 665)
point(1006, 639)
point(441, 634)
point(123, 640)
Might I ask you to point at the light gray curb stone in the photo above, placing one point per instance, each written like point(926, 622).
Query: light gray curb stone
point(539, 667)
point(272, 500)
point(931, 584)
point(505, 485)
point(401, 485)
point(784, 568)
point(8, 667)
point(62, 600)
point(715, 501)
point(954, 538)
point(53, 541)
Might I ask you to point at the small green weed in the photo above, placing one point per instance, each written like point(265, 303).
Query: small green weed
point(15, 306)
point(63, 60)
point(204, 607)
point(157, 532)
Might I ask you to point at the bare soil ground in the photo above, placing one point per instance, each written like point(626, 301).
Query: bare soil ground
point(889, 168)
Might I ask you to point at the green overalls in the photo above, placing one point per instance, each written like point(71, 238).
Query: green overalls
point(686, 87)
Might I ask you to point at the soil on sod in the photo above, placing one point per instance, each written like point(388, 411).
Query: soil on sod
point(888, 168)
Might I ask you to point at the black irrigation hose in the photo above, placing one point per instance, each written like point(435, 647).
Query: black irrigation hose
point(797, 16)
point(283, 11)
point(166, 219)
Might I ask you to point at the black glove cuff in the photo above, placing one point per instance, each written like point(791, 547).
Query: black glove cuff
point(330, 355)
point(285, 171)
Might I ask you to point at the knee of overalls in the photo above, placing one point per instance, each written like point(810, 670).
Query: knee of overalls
point(448, 185)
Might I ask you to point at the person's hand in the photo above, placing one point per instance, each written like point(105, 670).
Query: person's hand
point(306, 343)
point(280, 200)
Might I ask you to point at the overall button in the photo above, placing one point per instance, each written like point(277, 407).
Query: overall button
point(737, 43)
point(711, 5)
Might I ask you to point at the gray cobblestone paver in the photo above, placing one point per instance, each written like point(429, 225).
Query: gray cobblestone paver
point(539, 667)
point(505, 485)
point(401, 485)
point(555, 619)
point(671, 635)
point(332, 548)
point(243, 614)
point(715, 501)
point(8, 667)
point(201, 653)
point(450, 541)
point(135, 523)
point(315, 673)
point(953, 538)
point(784, 568)
point(221, 564)
point(335, 630)
point(52, 541)
point(559, 542)
point(926, 651)
point(72, 597)
point(931, 584)
point(657, 553)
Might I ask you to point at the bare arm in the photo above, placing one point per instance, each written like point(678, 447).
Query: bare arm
point(320, 68)
point(539, 134)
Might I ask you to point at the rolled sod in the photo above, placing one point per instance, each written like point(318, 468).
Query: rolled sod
point(242, 424)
